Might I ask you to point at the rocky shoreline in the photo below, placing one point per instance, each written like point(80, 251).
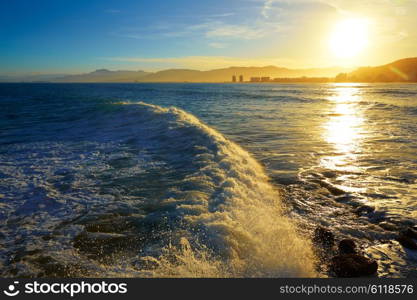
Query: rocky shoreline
point(345, 259)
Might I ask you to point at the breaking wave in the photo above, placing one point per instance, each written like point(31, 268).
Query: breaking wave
point(200, 205)
point(233, 215)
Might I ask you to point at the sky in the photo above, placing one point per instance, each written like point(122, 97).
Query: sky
point(76, 36)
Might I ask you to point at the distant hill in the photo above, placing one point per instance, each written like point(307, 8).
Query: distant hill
point(403, 70)
point(172, 75)
point(181, 75)
point(225, 75)
point(103, 75)
point(187, 75)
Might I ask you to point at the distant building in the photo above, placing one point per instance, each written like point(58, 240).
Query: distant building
point(241, 78)
point(255, 79)
point(234, 78)
point(265, 79)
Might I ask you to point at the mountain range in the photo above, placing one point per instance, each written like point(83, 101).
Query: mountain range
point(180, 75)
point(403, 70)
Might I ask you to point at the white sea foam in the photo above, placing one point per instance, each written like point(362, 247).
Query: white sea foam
point(229, 196)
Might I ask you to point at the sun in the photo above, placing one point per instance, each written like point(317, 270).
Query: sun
point(349, 38)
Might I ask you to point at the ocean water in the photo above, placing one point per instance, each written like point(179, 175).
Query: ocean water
point(203, 180)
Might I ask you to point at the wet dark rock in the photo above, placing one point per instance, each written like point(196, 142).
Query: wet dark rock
point(406, 241)
point(365, 209)
point(323, 237)
point(347, 246)
point(353, 265)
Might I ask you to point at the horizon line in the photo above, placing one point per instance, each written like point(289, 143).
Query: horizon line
point(64, 73)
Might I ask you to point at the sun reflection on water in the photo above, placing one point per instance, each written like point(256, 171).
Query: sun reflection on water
point(344, 128)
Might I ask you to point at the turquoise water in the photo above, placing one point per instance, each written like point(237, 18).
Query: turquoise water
point(110, 180)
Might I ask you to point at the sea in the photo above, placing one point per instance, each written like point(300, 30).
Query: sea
point(204, 180)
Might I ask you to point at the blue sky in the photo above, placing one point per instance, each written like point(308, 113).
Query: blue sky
point(79, 36)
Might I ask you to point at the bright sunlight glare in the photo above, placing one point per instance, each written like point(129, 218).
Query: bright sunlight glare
point(349, 38)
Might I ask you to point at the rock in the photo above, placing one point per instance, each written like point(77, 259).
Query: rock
point(406, 241)
point(353, 265)
point(347, 246)
point(323, 237)
point(364, 209)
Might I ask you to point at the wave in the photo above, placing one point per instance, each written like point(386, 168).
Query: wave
point(200, 205)
point(233, 215)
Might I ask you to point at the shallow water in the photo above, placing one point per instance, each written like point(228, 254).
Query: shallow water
point(94, 182)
